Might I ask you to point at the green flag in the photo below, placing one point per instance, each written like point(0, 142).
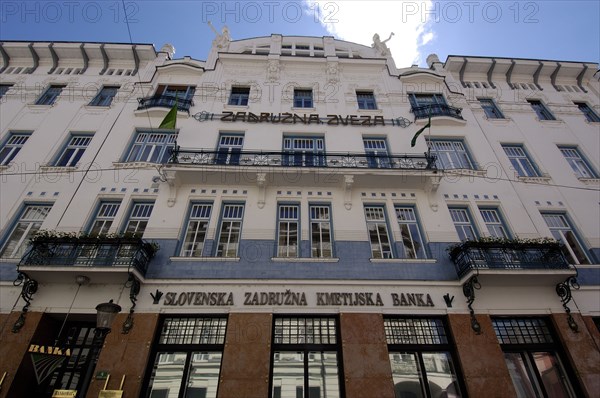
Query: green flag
point(170, 119)
point(413, 142)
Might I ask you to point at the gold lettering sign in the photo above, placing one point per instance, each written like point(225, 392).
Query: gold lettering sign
point(64, 393)
point(110, 394)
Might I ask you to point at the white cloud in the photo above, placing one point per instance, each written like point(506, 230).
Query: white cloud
point(358, 21)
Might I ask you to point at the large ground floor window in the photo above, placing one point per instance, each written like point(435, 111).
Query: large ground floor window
point(533, 358)
point(421, 357)
point(306, 360)
point(187, 358)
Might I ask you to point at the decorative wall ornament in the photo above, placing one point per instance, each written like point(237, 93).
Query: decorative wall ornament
point(469, 291)
point(30, 287)
point(563, 289)
point(273, 69)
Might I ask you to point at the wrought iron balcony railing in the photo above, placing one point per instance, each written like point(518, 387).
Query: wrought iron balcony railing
point(165, 101)
point(422, 112)
point(473, 255)
point(89, 252)
point(303, 159)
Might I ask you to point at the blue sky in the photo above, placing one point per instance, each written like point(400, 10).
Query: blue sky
point(561, 30)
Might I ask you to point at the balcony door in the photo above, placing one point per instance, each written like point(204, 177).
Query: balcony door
point(304, 151)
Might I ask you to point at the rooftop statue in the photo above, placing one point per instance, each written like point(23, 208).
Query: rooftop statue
point(223, 39)
point(380, 45)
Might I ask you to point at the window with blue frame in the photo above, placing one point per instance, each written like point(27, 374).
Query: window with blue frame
point(588, 112)
point(561, 230)
point(320, 231)
point(138, 218)
point(494, 222)
point(26, 226)
point(105, 96)
point(377, 152)
point(288, 230)
point(463, 223)
point(195, 231)
point(4, 89)
point(520, 161)
point(303, 98)
point(229, 149)
point(366, 100)
point(230, 230)
point(74, 150)
point(413, 243)
point(540, 110)
point(12, 146)
point(580, 166)
point(239, 96)
point(50, 95)
point(151, 147)
point(451, 154)
point(304, 151)
point(424, 105)
point(490, 108)
point(378, 232)
point(104, 218)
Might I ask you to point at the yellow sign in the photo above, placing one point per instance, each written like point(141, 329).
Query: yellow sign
point(110, 394)
point(64, 393)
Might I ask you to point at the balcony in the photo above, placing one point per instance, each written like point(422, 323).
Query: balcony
point(165, 101)
point(512, 260)
point(303, 159)
point(422, 112)
point(100, 258)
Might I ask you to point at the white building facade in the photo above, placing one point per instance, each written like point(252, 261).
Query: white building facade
point(285, 239)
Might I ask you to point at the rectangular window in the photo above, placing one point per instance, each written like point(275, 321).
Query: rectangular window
point(188, 355)
point(104, 218)
point(50, 95)
point(588, 112)
point(239, 96)
point(230, 231)
point(304, 151)
point(320, 231)
point(288, 230)
point(577, 162)
point(29, 222)
point(377, 153)
point(424, 105)
point(12, 146)
point(378, 232)
point(303, 98)
point(195, 232)
point(306, 359)
point(540, 110)
point(74, 150)
point(520, 161)
point(562, 231)
point(366, 100)
point(490, 108)
point(494, 223)
point(138, 218)
point(451, 155)
point(532, 359)
point(463, 223)
point(105, 96)
point(229, 149)
point(413, 244)
point(152, 147)
point(4, 89)
point(421, 357)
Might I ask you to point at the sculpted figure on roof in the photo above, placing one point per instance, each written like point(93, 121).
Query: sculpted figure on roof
point(380, 46)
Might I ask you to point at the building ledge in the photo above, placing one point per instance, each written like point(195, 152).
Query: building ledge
point(304, 260)
point(535, 180)
point(590, 181)
point(403, 260)
point(205, 259)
